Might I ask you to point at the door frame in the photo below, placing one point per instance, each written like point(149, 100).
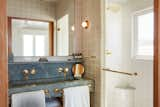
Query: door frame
point(3, 55)
point(156, 64)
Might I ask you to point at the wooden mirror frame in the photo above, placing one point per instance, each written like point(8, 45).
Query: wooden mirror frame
point(51, 33)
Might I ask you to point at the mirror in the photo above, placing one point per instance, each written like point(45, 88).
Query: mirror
point(40, 27)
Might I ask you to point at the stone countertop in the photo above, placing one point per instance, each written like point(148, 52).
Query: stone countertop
point(51, 86)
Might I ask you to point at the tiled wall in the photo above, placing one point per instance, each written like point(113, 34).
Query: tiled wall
point(33, 9)
point(91, 38)
point(66, 7)
point(45, 72)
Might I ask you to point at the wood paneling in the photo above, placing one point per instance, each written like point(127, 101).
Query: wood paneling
point(3, 56)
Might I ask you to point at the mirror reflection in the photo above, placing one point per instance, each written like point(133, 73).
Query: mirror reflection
point(41, 27)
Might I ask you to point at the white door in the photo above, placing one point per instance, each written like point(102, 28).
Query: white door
point(63, 36)
point(116, 54)
point(119, 89)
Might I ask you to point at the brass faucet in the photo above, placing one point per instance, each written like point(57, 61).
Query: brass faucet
point(33, 71)
point(64, 70)
point(65, 73)
point(26, 73)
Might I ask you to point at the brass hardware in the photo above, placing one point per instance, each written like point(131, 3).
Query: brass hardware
point(66, 70)
point(26, 74)
point(120, 72)
point(46, 91)
point(56, 90)
point(89, 85)
point(107, 52)
point(58, 29)
point(33, 71)
point(86, 24)
point(60, 69)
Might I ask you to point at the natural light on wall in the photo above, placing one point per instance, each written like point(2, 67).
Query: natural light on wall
point(143, 34)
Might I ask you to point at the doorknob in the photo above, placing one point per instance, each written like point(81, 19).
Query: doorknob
point(108, 52)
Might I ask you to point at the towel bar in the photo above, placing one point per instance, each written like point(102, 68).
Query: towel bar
point(56, 90)
point(120, 72)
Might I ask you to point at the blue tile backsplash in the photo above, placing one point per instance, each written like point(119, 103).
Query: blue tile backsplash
point(45, 72)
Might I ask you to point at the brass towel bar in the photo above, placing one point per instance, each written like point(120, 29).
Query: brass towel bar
point(120, 72)
point(57, 90)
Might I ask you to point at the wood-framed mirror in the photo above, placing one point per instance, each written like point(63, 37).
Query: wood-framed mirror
point(41, 28)
point(30, 37)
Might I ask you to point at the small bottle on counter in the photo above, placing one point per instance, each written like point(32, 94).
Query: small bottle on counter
point(77, 55)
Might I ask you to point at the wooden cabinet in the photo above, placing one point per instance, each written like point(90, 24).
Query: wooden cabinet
point(3, 56)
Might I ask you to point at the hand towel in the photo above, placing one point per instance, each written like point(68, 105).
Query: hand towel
point(29, 99)
point(77, 97)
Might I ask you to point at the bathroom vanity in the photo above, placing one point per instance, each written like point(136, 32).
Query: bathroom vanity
point(33, 76)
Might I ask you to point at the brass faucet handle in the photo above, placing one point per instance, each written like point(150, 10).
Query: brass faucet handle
point(60, 69)
point(46, 91)
point(25, 72)
point(33, 71)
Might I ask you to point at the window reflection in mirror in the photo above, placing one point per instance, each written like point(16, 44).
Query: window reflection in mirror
point(30, 38)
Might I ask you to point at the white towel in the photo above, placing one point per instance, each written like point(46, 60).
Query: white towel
point(29, 99)
point(77, 97)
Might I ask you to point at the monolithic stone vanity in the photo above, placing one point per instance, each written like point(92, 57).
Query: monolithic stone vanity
point(44, 76)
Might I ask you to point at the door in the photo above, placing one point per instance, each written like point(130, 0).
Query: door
point(63, 36)
point(128, 53)
point(3, 56)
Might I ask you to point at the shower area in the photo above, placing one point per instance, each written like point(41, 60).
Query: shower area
point(127, 62)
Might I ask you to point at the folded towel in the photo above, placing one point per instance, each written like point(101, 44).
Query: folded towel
point(77, 97)
point(29, 99)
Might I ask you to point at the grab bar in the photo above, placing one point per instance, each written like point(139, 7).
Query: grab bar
point(120, 72)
